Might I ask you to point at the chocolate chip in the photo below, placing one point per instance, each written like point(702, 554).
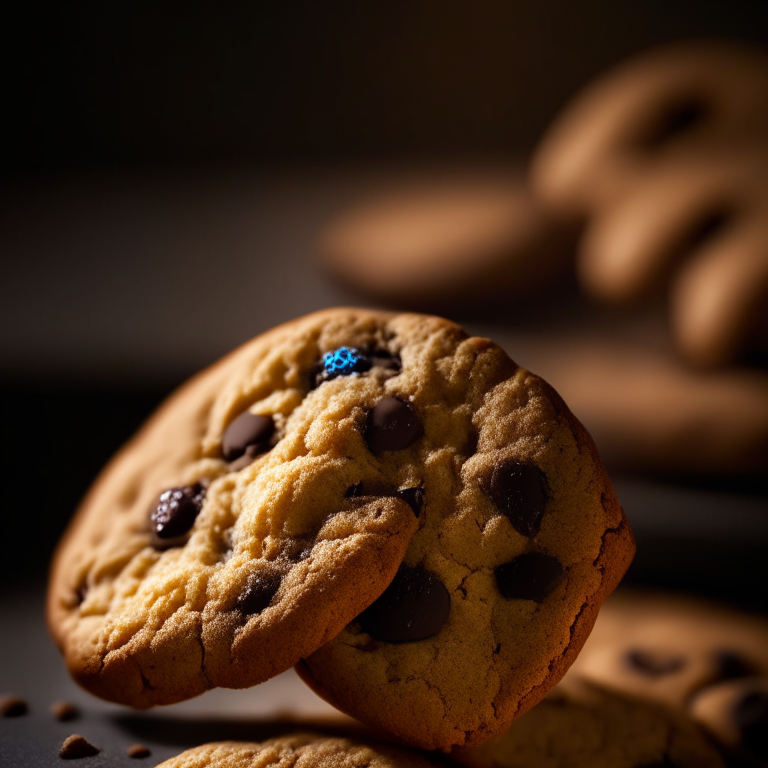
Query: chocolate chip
point(731, 666)
point(653, 663)
point(248, 432)
point(176, 510)
point(519, 491)
point(64, 711)
point(413, 607)
point(529, 577)
point(751, 716)
point(137, 751)
point(392, 425)
point(12, 706)
point(413, 497)
point(75, 746)
point(258, 593)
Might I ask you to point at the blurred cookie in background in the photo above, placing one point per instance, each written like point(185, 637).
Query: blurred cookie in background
point(448, 239)
point(664, 162)
point(581, 723)
point(707, 660)
point(735, 712)
point(647, 410)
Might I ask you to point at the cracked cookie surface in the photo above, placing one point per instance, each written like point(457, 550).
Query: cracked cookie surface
point(301, 750)
point(520, 539)
point(221, 544)
point(583, 724)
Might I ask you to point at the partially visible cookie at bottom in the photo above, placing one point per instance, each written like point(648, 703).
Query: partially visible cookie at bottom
point(301, 750)
point(583, 724)
point(705, 660)
point(735, 712)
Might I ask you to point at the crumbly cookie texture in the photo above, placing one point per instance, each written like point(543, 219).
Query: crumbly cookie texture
point(301, 750)
point(220, 545)
point(520, 539)
point(706, 660)
point(583, 724)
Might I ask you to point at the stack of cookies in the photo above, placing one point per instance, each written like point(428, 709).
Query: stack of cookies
point(417, 524)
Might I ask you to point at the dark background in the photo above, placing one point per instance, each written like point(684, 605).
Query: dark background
point(96, 96)
point(127, 84)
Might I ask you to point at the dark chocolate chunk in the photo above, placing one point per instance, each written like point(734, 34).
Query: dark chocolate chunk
point(529, 577)
point(750, 714)
point(519, 491)
point(176, 510)
point(413, 607)
point(259, 593)
point(137, 751)
point(413, 497)
point(732, 665)
point(64, 711)
point(12, 706)
point(248, 432)
point(653, 662)
point(392, 425)
point(75, 746)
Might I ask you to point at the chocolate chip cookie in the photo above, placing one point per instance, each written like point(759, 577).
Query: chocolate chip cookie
point(223, 544)
point(707, 660)
point(300, 750)
point(583, 724)
point(520, 539)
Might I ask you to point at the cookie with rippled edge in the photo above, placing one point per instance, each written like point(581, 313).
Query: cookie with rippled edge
point(582, 724)
point(300, 750)
point(708, 660)
point(520, 539)
point(222, 544)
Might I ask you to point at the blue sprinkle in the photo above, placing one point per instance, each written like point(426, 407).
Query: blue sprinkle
point(341, 362)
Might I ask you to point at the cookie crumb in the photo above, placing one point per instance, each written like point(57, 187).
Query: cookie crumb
point(137, 751)
point(75, 747)
point(64, 710)
point(12, 706)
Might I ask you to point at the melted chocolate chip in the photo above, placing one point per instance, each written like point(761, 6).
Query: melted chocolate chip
point(413, 497)
point(392, 425)
point(732, 666)
point(176, 510)
point(519, 491)
point(75, 747)
point(259, 593)
point(529, 577)
point(653, 663)
point(249, 432)
point(12, 706)
point(413, 607)
point(751, 716)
